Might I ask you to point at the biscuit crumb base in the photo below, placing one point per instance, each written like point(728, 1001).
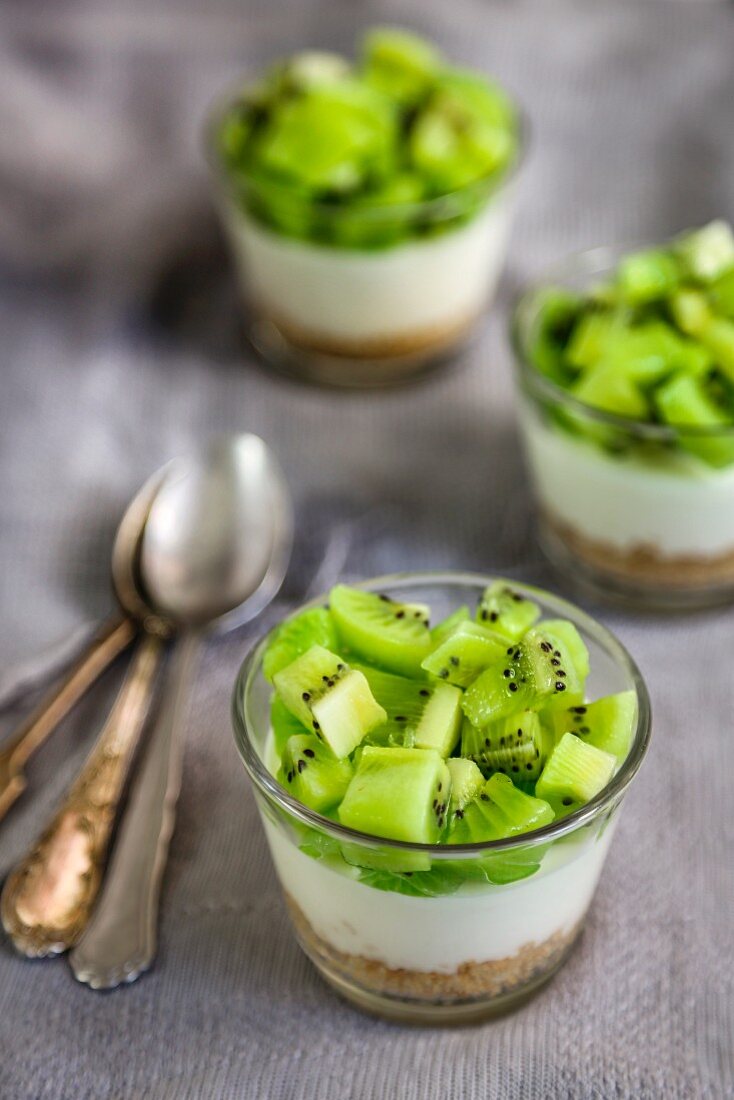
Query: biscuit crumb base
point(473, 981)
point(645, 563)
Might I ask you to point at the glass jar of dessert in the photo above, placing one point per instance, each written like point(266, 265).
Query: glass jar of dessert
point(367, 205)
point(439, 760)
point(625, 371)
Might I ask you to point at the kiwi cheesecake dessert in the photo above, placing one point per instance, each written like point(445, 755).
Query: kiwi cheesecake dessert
point(625, 364)
point(368, 204)
point(438, 761)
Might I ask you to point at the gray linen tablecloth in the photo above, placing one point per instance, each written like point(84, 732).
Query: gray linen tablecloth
point(120, 348)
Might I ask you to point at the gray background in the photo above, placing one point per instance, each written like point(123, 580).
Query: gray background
point(119, 347)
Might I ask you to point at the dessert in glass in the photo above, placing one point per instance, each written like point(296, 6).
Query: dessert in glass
point(625, 369)
point(439, 760)
point(367, 205)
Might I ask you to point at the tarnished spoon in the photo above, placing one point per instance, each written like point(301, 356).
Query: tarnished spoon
point(111, 639)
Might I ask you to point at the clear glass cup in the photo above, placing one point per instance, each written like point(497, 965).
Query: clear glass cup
point(438, 953)
point(359, 303)
point(624, 508)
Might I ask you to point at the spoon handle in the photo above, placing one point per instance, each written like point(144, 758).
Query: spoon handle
point(112, 638)
point(48, 897)
point(120, 941)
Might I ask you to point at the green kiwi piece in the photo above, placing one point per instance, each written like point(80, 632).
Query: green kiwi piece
point(592, 335)
point(499, 811)
point(392, 635)
point(400, 794)
point(295, 636)
point(516, 746)
point(684, 402)
point(329, 139)
point(400, 64)
point(312, 774)
point(419, 715)
point(466, 652)
point(721, 294)
point(334, 701)
point(606, 389)
point(308, 69)
point(607, 724)
point(506, 611)
point(283, 724)
point(575, 772)
point(553, 313)
point(531, 672)
point(648, 276)
point(572, 644)
point(447, 626)
point(707, 253)
point(466, 783)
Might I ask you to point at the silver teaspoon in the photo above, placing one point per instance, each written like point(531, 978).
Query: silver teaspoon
point(214, 553)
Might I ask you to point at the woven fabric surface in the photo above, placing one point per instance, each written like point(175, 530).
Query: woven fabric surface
point(120, 347)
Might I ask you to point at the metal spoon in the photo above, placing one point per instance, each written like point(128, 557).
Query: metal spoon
point(214, 553)
point(48, 896)
point(111, 639)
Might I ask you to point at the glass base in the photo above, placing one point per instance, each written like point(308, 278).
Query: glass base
point(404, 1010)
point(348, 371)
point(628, 590)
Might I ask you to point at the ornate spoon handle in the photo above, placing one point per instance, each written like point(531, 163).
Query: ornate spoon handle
point(48, 897)
point(120, 942)
point(113, 637)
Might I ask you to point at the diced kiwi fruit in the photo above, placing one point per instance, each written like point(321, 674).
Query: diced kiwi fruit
point(333, 700)
point(399, 63)
point(691, 311)
point(380, 218)
point(578, 655)
point(575, 772)
point(684, 403)
point(506, 611)
point(554, 311)
point(312, 774)
point(707, 253)
point(419, 715)
point(329, 139)
point(468, 650)
point(609, 391)
point(294, 636)
point(531, 672)
point(647, 276)
point(450, 156)
point(396, 793)
point(471, 99)
point(645, 353)
point(721, 293)
point(283, 724)
point(380, 630)
point(516, 746)
point(500, 810)
point(309, 68)
point(718, 338)
point(466, 783)
point(607, 724)
point(591, 336)
point(441, 630)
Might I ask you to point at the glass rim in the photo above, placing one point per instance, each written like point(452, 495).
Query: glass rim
point(589, 262)
point(267, 784)
point(489, 186)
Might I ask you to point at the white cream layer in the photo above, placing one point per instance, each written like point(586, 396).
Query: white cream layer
point(679, 507)
point(439, 934)
point(360, 295)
